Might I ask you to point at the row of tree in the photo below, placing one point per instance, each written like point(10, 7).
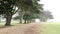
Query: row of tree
point(27, 9)
point(43, 16)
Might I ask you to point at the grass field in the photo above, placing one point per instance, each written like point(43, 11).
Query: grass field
point(53, 28)
point(2, 25)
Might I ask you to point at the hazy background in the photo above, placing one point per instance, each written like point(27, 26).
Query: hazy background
point(54, 7)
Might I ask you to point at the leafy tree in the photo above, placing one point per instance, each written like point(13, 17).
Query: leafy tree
point(27, 4)
point(8, 8)
point(23, 6)
point(26, 17)
point(32, 6)
point(34, 11)
point(46, 15)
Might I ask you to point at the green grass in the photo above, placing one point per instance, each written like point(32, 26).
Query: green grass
point(52, 28)
point(2, 25)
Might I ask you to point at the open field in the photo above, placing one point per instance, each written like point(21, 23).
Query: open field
point(52, 28)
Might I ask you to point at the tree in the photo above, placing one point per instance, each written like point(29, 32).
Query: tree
point(31, 5)
point(23, 6)
point(46, 15)
point(34, 11)
point(26, 4)
point(8, 8)
point(26, 17)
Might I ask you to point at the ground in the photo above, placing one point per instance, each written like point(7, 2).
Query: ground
point(52, 28)
point(33, 28)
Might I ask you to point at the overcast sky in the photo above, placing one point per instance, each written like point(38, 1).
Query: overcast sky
point(53, 6)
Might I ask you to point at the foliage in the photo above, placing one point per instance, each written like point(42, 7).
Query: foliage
point(46, 15)
point(35, 10)
point(6, 7)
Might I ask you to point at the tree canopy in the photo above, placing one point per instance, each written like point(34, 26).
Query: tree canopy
point(28, 8)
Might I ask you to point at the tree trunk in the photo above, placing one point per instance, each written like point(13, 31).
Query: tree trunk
point(21, 16)
point(25, 21)
point(8, 20)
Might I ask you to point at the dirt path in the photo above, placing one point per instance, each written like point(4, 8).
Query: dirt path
point(24, 29)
